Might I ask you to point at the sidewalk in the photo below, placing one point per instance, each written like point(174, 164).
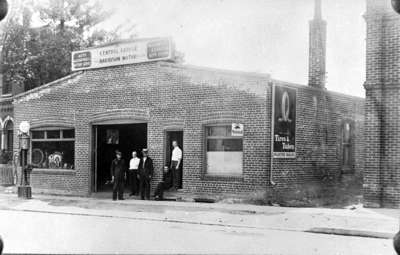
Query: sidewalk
point(358, 221)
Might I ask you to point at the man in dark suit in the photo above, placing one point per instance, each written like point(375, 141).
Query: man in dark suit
point(165, 184)
point(118, 172)
point(145, 174)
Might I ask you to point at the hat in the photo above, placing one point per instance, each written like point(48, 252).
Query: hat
point(145, 150)
point(118, 152)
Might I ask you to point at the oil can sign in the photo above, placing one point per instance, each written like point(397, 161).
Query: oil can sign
point(284, 122)
point(237, 129)
point(138, 51)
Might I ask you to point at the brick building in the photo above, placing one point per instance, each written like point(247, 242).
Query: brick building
point(382, 173)
point(240, 132)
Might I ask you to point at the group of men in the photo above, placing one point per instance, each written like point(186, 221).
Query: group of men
point(140, 173)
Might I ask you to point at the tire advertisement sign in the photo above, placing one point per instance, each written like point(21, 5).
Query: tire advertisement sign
point(138, 51)
point(284, 122)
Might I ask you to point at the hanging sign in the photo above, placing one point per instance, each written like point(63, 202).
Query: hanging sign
point(138, 51)
point(237, 129)
point(284, 122)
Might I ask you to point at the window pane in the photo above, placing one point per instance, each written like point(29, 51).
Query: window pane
point(218, 131)
point(346, 156)
point(346, 133)
point(10, 140)
point(224, 163)
point(233, 144)
point(53, 134)
point(10, 125)
point(37, 134)
point(68, 133)
point(55, 155)
point(224, 145)
point(215, 145)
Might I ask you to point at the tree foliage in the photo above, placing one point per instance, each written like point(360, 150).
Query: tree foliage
point(32, 56)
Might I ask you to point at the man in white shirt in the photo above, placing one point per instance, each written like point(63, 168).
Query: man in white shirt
point(176, 162)
point(133, 173)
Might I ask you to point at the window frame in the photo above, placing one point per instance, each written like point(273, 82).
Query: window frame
point(349, 144)
point(9, 136)
point(206, 173)
point(45, 139)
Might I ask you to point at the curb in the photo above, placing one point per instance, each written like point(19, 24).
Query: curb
point(351, 232)
point(169, 202)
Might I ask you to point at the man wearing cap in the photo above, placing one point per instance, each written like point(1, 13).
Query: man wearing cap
point(145, 174)
point(118, 172)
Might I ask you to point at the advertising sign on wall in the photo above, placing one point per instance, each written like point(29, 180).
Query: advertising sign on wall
point(237, 129)
point(144, 50)
point(284, 122)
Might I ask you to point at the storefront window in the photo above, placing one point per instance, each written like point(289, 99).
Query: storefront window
point(224, 151)
point(53, 149)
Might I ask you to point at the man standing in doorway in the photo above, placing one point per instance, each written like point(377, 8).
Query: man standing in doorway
point(176, 160)
point(118, 172)
point(145, 174)
point(133, 173)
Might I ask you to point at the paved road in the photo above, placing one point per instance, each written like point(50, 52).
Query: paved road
point(74, 233)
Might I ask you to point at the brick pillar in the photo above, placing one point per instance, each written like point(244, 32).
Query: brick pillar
point(317, 49)
point(382, 137)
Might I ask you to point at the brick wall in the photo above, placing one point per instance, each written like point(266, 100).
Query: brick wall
point(167, 95)
point(382, 173)
point(319, 122)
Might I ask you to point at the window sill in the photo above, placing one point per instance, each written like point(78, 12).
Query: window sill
point(215, 177)
point(348, 171)
point(53, 171)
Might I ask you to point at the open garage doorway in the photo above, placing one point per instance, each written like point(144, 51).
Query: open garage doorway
point(108, 138)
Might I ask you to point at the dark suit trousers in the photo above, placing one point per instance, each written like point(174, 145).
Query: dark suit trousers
point(118, 188)
point(144, 187)
point(176, 175)
point(133, 181)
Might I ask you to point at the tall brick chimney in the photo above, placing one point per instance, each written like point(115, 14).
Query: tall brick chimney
point(317, 50)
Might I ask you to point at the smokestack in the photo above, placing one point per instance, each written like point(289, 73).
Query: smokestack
point(317, 49)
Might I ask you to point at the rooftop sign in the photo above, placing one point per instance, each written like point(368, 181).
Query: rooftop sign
point(139, 51)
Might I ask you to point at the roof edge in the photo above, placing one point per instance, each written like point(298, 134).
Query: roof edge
point(50, 84)
point(298, 85)
point(215, 70)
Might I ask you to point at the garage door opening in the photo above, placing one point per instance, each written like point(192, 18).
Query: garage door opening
point(108, 139)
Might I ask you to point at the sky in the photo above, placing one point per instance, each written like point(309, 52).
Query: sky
point(266, 36)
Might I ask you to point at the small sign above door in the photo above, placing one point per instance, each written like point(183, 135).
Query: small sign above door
point(237, 129)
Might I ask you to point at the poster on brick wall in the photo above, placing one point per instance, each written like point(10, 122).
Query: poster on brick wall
point(283, 122)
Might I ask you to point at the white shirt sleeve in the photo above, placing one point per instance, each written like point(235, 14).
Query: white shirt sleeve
point(176, 154)
point(179, 154)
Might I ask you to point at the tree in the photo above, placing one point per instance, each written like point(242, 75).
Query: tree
point(15, 53)
point(32, 56)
